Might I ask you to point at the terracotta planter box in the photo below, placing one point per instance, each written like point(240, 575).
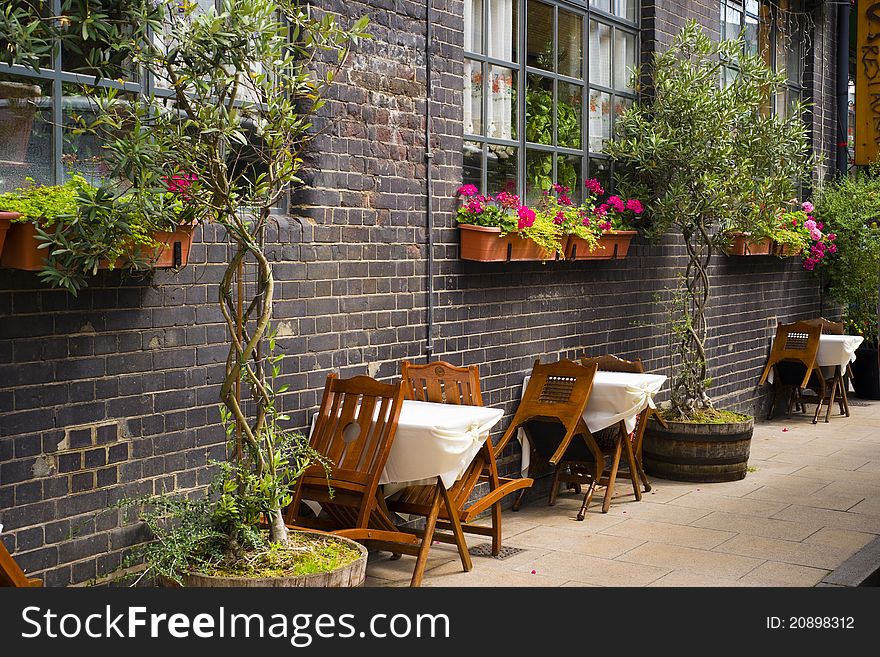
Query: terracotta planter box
point(21, 252)
point(612, 246)
point(742, 244)
point(485, 244)
point(784, 250)
point(6, 219)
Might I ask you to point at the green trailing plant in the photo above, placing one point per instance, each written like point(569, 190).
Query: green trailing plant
point(704, 156)
point(850, 207)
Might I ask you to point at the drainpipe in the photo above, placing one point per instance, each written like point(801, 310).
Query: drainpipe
point(429, 194)
point(843, 16)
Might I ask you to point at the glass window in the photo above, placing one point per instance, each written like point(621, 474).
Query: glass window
point(537, 120)
point(25, 132)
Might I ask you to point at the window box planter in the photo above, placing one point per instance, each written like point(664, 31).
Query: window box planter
point(742, 244)
point(612, 246)
point(784, 250)
point(6, 219)
point(21, 251)
point(486, 244)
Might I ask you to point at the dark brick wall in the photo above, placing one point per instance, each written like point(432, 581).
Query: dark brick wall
point(114, 393)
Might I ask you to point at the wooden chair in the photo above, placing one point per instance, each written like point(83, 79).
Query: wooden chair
point(793, 362)
point(551, 413)
point(840, 378)
point(443, 383)
point(633, 468)
point(11, 574)
point(354, 430)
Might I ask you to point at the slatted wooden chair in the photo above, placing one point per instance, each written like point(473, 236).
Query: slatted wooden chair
point(443, 383)
point(841, 379)
point(613, 449)
point(354, 429)
point(551, 413)
point(11, 574)
point(793, 363)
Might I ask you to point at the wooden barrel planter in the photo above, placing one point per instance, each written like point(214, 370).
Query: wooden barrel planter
point(352, 575)
point(866, 372)
point(697, 452)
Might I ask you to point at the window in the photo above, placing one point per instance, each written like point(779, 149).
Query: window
point(774, 31)
point(543, 82)
point(38, 110)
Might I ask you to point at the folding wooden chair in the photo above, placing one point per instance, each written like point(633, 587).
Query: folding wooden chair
point(443, 383)
point(11, 574)
point(841, 378)
point(793, 362)
point(551, 413)
point(354, 429)
point(633, 450)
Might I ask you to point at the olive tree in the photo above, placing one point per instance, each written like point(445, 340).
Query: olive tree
point(709, 156)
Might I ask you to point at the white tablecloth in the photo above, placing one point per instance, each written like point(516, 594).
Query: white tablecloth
point(435, 440)
point(834, 350)
point(615, 396)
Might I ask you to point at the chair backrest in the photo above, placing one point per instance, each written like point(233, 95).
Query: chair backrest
point(441, 383)
point(556, 391)
point(11, 574)
point(611, 363)
point(828, 327)
point(354, 430)
point(796, 343)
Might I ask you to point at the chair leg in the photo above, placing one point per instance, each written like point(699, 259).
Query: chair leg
point(830, 401)
point(427, 539)
point(633, 471)
point(609, 489)
point(457, 532)
point(496, 529)
point(587, 499)
point(843, 396)
point(554, 488)
point(518, 501)
point(819, 400)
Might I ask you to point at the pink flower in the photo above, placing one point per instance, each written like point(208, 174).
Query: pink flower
point(586, 221)
point(526, 217)
point(832, 248)
point(506, 200)
point(475, 205)
point(635, 205)
point(468, 190)
point(617, 203)
point(820, 225)
point(605, 225)
point(807, 207)
point(564, 199)
point(594, 186)
point(815, 234)
point(602, 210)
point(809, 224)
point(559, 219)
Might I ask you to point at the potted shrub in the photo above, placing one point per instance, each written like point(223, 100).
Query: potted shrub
point(705, 156)
point(850, 206)
point(246, 79)
point(500, 228)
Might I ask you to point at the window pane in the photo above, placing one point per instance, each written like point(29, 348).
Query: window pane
point(625, 9)
point(600, 120)
point(751, 35)
point(81, 153)
point(571, 44)
point(569, 111)
point(90, 55)
point(473, 97)
point(733, 22)
point(501, 169)
point(624, 58)
point(600, 169)
point(752, 7)
point(501, 34)
point(604, 5)
point(473, 165)
point(25, 132)
point(539, 49)
point(539, 110)
point(501, 114)
point(473, 25)
point(568, 173)
point(539, 173)
point(600, 54)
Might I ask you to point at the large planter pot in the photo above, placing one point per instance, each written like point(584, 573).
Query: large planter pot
point(6, 219)
point(17, 111)
point(784, 250)
point(486, 244)
point(866, 372)
point(742, 244)
point(20, 249)
point(174, 251)
point(351, 575)
point(612, 245)
point(697, 452)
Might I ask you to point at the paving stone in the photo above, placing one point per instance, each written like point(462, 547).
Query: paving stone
point(672, 534)
point(756, 526)
point(676, 557)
